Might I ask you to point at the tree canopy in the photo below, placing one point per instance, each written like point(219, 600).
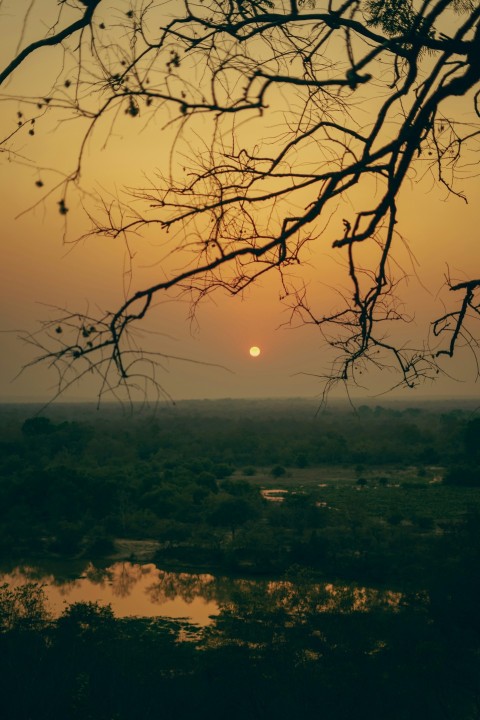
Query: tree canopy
point(270, 113)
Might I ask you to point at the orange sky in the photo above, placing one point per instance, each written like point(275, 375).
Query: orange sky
point(37, 267)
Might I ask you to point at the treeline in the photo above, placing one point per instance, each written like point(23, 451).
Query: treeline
point(265, 436)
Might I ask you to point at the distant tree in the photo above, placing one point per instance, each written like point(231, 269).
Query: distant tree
point(231, 512)
point(37, 426)
point(395, 518)
point(237, 205)
point(239, 488)
point(301, 460)
point(463, 475)
point(472, 438)
point(222, 470)
point(207, 480)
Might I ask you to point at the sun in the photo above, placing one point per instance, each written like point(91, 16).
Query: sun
point(254, 351)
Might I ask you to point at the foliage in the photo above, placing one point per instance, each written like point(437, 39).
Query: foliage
point(366, 501)
point(22, 608)
point(393, 16)
point(274, 650)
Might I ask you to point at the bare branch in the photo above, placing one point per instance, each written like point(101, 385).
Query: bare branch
point(233, 205)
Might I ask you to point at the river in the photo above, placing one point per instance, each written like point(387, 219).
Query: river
point(144, 590)
point(132, 589)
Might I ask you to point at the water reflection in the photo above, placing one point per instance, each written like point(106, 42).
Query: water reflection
point(133, 589)
point(130, 588)
point(274, 495)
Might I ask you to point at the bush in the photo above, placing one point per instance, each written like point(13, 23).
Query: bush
point(22, 608)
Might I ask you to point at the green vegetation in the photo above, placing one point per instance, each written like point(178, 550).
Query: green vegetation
point(386, 503)
point(373, 496)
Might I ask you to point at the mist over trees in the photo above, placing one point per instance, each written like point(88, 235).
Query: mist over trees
point(372, 496)
point(271, 115)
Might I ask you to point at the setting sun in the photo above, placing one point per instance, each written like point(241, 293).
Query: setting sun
point(254, 351)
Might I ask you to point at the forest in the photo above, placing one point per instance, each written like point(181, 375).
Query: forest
point(383, 502)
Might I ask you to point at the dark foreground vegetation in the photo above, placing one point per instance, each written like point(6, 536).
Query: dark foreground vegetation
point(274, 656)
point(388, 499)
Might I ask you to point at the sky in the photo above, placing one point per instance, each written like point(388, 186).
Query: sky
point(206, 356)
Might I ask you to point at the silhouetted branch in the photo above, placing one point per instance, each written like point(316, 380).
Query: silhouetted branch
point(51, 40)
point(454, 323)
point(237, 208)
